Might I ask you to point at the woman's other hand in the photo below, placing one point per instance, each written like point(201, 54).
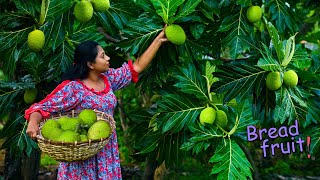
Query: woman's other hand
point(33, 125)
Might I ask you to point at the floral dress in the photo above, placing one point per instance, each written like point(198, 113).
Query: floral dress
point(71, 95)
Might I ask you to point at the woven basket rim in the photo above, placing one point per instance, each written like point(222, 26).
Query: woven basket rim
point(76, 143)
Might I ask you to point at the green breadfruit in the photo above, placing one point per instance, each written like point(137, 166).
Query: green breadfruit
point(290, 79)
point(48, 126)
point(273, 81)
point(259, 26)
point(55, 133)
point(83, 11)
point(221, 119)
point(88, 117)
point(62, 120)
point(83, 138)
point(254, 14)
point(36, 40)
point(208, 115)
point(69, 136)
point(100, 5)
point(100, 129)
point(30, 95)
point(175, 34)
point(72, 124)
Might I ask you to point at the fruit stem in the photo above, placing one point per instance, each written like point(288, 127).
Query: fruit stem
point(215, 107)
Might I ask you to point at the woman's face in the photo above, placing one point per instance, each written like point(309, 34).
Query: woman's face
point(102, 61)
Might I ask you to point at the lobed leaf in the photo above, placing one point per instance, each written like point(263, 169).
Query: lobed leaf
point(230, 162)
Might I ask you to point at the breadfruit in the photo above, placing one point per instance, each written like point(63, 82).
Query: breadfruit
point(100, 5)
point(72, 124)
point(208, 115)
point(62, 120)
point(175, 34)
point(83, 11)
point(30, 95)
point(254, 14)
point(259, 26)
point(221, 119)
point(48, 126)
point(36, 40)
point(100, 129)
point(69, 136)
point(55, 134)
point(290, 78)
point(83, 138)
point(273, 81)
point(88, 117)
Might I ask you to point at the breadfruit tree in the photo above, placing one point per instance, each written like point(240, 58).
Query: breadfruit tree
point(228, 65)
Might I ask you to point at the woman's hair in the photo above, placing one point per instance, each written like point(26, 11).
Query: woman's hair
point(85, 52)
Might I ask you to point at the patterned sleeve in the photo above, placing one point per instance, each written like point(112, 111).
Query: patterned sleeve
point(62, 99)
point(122, 76)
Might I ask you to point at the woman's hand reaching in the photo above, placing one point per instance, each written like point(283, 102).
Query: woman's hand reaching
point(161, 36)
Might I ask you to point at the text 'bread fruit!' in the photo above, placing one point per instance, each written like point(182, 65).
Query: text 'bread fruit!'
point(83, 11)
point(290, 78)
point(30, 95)
point(88, 117)
point(221, 119)
point(273, 81)
point(175, 34)
point(100, 5)
point(36, 40)
point(100, 129)
point(208, 115)
point(254, 14)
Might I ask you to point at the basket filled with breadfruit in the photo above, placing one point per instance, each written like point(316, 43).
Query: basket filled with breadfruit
point(76, 135)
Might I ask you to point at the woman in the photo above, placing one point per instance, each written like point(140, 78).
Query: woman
point(90, 85)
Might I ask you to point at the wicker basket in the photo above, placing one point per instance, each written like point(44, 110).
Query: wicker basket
point(77, 151)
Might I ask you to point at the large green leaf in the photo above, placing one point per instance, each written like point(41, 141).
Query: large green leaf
point(176, 111)
point(202, 137)
point(209, 8)
point(13, 38)
point(140, 34)
point(54, 33)
point(85, 32)
point(314, 134)
point(301, 58)
point(164, 146)
point(57, 8)
point(8, 98)
point(28, 7)
point(313, 116)
point(290, 105)
point(276, 41)
point(283, 16)
point(245, 119)
point(268, 63)
point(236, 27)
point(190, 81)
point(166, 8)
point(61, 59)
point(230, 162)
point(244, 3)
point(185, 10)
point(238, 81)
point(116, 17)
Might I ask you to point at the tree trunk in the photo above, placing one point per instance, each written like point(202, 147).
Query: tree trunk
point(24, 167)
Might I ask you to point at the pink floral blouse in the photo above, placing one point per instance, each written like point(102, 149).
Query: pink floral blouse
point(71, 95)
